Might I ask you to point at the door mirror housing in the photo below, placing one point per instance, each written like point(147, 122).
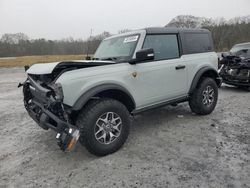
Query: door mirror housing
point(143, 55)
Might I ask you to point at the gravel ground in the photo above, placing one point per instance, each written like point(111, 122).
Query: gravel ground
point(167, 147)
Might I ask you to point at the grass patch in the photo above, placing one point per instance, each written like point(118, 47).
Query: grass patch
point(30, 60)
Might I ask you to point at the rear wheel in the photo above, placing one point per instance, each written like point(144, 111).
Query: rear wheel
point(205, 96)
point(104, 126)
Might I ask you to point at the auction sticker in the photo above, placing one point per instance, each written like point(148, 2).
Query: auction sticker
point(131, 39)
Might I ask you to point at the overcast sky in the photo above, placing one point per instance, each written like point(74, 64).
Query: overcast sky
point(56, 19)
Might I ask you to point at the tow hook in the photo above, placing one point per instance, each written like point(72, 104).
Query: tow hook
point(67, 141)
point(20, 85)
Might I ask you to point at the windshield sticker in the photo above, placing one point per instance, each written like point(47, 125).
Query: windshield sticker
point(131, 39)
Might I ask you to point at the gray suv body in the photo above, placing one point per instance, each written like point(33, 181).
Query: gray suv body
point(132, 72)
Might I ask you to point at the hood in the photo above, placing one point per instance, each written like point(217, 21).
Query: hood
point(49, 68)
point(48, 72)
point(42, 68)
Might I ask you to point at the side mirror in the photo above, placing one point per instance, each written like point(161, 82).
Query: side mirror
point(143, 55)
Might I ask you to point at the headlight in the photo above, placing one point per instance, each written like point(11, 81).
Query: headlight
point(58, 91)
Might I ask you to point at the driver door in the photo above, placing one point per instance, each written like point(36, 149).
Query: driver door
point(164, 78)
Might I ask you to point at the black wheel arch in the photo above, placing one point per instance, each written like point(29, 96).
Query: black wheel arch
point(205, 72)
point(113, 91)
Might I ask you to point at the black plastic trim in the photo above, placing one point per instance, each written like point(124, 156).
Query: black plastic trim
point(94, 91)
point(174, 101)
point(199, 74)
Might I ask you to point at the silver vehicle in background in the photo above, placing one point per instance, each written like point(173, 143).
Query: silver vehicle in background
point(235, 66)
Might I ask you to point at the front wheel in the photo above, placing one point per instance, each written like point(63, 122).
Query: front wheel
point(104, 126)
point(204, 98)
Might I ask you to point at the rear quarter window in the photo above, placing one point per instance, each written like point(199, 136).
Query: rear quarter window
point(197, 43)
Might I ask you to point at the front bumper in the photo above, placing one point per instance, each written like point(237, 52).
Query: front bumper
point(45, 107)
point(236, 80)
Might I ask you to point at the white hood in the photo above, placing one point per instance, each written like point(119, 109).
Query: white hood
point(47, 68)
point(42, 68)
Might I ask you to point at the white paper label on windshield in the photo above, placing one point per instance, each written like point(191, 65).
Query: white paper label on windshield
point(131, 39)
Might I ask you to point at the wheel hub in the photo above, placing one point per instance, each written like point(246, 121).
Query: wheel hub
point(108, 128)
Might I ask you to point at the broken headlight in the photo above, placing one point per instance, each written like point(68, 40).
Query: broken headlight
point(58, 91)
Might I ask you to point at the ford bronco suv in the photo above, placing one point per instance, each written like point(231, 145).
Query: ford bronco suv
point(92, 100)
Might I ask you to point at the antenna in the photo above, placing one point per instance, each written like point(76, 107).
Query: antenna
point(88, 44)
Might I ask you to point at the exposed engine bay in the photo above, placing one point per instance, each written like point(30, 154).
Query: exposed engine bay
point(235, 70)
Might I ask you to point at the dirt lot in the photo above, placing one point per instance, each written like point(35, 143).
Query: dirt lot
point(30, 60)
point(167, 147)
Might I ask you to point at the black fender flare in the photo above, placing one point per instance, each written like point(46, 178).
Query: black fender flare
point(200, 73)
point(85, 97)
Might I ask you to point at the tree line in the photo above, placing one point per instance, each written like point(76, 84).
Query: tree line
point(19, 44)
point(227, 35)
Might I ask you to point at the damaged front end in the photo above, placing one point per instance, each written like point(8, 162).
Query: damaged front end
point(44, 103)
point(235, 70)
point(43, 98)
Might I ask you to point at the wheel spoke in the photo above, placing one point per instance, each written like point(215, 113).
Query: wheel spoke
point(100, 130)
point(98, 125)
point(116, 127)
point(105, 120)
point(209, 102)
point(102, 136)
point(211, 94)
point(110, 116)
point(205, 101)
point(111, 135)
point(115, 119)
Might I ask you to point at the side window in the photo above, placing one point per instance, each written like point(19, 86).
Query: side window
point(198, 43)
point(165, 46)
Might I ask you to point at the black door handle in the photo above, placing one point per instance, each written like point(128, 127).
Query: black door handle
point(180, 67)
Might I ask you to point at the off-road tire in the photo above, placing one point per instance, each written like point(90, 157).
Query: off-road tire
point(87, 119)
point(196, 100)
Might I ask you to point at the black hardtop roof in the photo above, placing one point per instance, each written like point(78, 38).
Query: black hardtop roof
point(161, 30)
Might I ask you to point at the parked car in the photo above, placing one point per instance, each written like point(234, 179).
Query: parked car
point(235, 69)
point(130, 73)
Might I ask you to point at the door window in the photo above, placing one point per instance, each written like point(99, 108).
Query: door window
point(165, 46)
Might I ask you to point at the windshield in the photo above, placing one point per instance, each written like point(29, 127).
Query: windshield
point(118, 48)
point(241, 50)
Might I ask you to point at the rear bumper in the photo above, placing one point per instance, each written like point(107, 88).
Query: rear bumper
point(46, 109)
